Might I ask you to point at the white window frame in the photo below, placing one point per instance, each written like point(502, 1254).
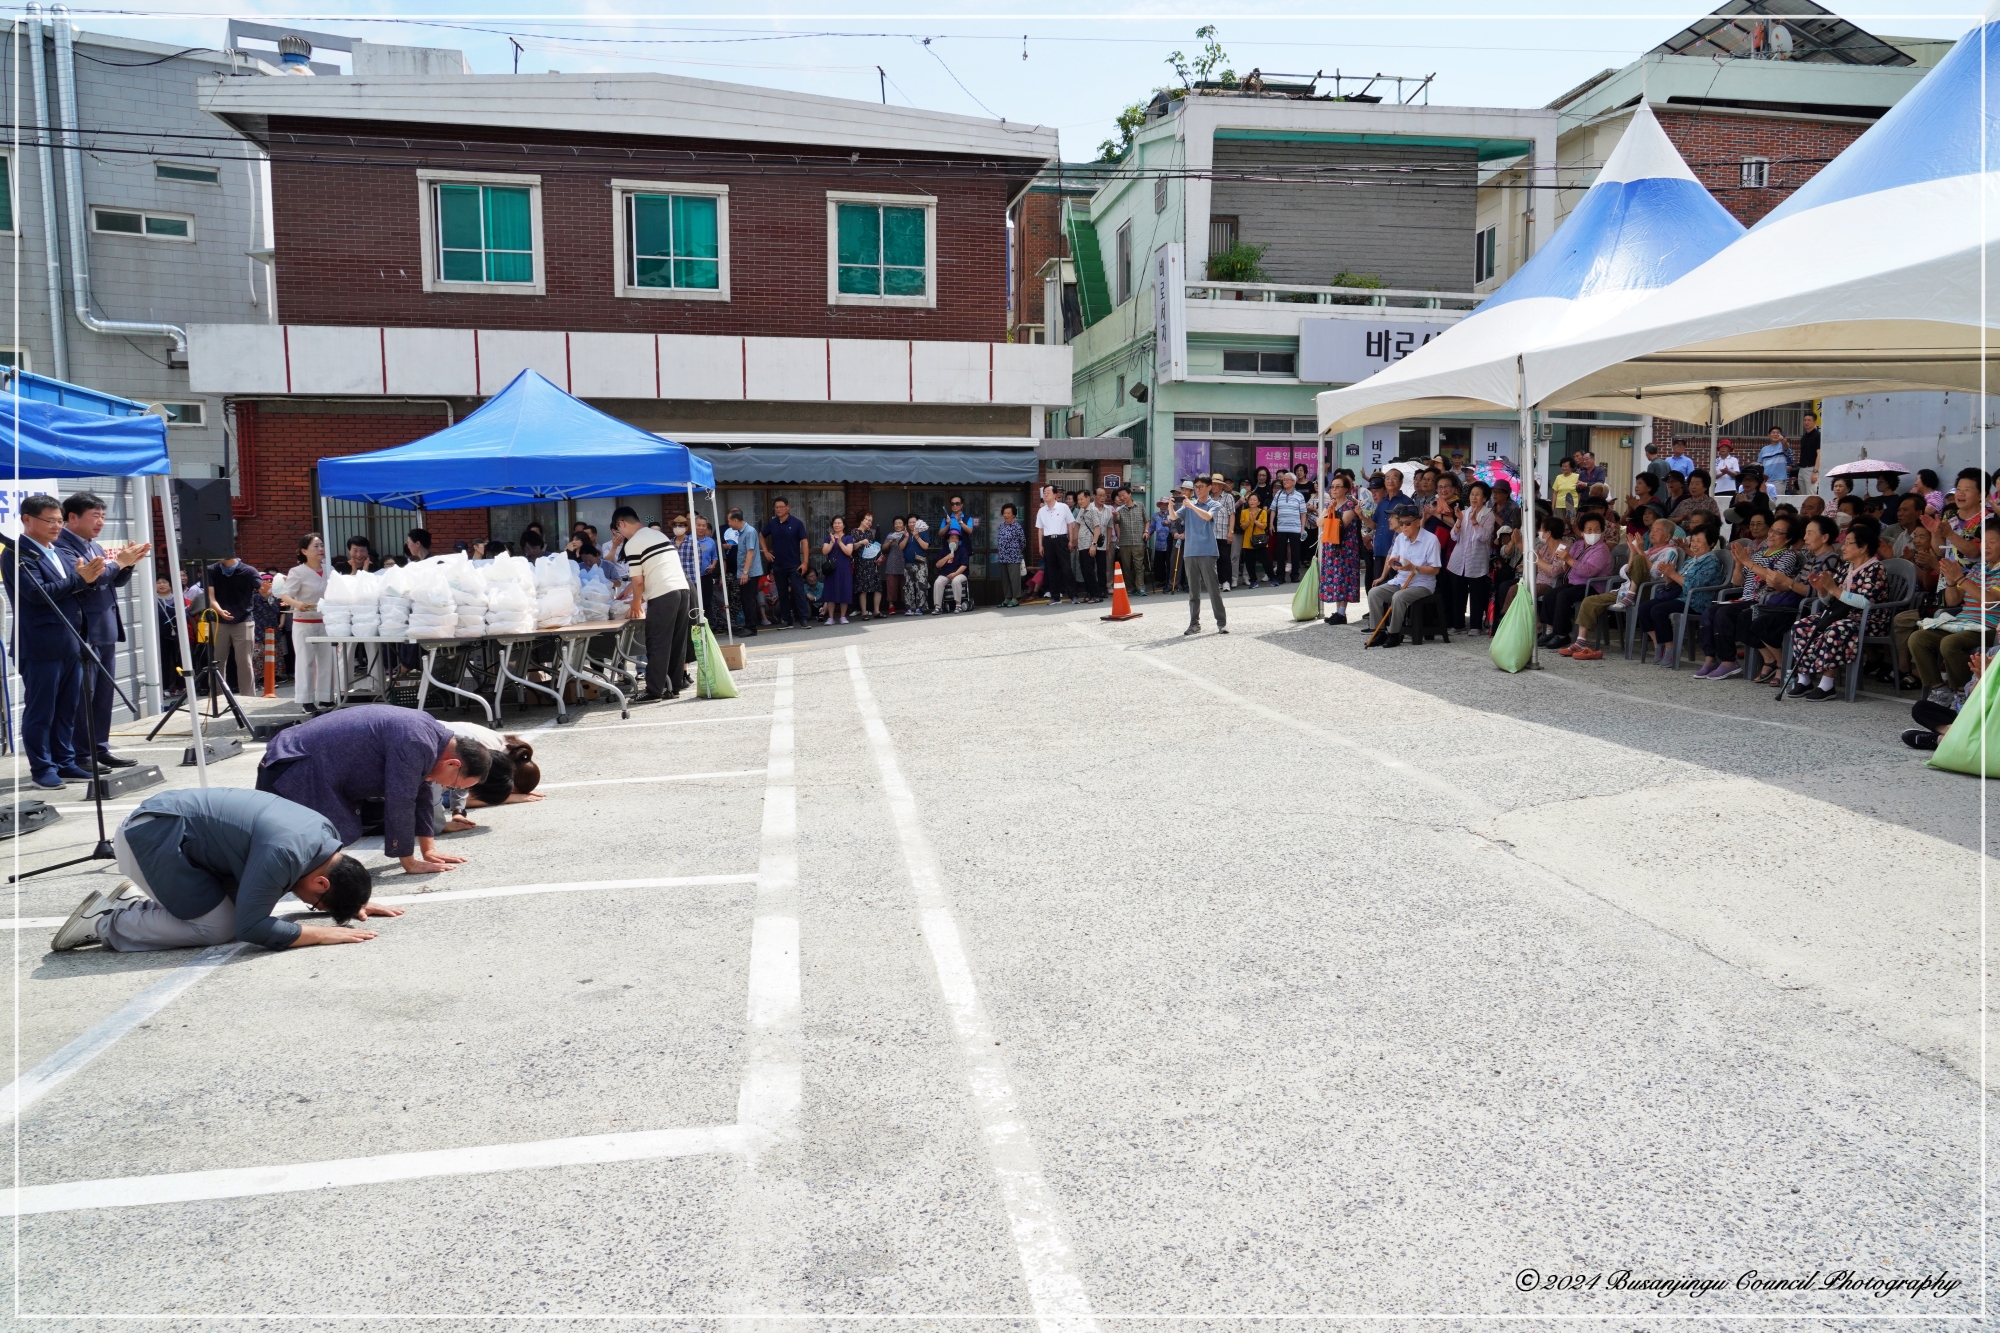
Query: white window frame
point(1486, 269)
point(620, 189)
point(834, 296)
point(23, 359)
point(201, 403)
point(142, 234)
point(1121, 251)
point(1160, 193)
point(13, 192)
point(1755, 173)
point(427, 221)
point(187, 166)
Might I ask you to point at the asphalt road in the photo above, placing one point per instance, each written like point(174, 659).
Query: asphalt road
point(1026, 967)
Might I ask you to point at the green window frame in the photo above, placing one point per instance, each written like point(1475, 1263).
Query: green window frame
point(673, 242)
point(882, 249)
point(484, 233)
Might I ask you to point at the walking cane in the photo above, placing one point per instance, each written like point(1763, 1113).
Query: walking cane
point(1380, 625)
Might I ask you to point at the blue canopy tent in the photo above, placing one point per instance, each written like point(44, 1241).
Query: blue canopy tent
point(49, 428)
point(531, 441)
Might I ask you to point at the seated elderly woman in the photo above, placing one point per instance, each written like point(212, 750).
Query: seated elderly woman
point(1696, 503)
point(1693, 579)
point(1644, 562)
point(1728, 623)
point(1943, 649)
point(1825, 640)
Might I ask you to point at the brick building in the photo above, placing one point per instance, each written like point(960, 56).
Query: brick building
point(811, 292)
point(1035, 225)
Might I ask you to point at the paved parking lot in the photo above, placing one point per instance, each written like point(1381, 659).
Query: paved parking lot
point(1025, 966)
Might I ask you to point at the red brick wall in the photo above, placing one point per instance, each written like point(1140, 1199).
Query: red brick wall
point(348, 238)
point(1038, 238)
point(276, 452)
point(1714, 145)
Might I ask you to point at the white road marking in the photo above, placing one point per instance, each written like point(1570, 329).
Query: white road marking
point(32, 922)
point(50, 1074)
point(630, 726)
point(768, 1104)
point(1041, 1234)
point(244, 1182)
point(1415, 777)
point(664, 777)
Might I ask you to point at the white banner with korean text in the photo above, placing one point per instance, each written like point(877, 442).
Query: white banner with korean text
point(1347, 351)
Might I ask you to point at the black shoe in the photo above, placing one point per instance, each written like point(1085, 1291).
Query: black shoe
point(1336, 619)
point(1819, 696)
point(649, 697)
point(106, 759)
point(1920, 738)
point(1797, 691)
point(1222, 629)
point(1191, 629)
point(1392, 641)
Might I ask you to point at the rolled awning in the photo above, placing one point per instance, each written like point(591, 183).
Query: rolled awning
point(916, 465)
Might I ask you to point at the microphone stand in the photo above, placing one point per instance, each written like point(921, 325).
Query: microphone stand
point(94, 664)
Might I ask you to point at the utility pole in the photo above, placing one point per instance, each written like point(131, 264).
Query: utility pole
point(517, 54)
point(883, 76)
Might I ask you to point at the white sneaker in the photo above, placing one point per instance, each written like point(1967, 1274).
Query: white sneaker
point(81, 928)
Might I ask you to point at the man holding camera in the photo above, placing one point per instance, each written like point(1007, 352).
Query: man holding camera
point(1200, 519)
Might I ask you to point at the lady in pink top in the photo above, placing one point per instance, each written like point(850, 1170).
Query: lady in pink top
point(1589, 558)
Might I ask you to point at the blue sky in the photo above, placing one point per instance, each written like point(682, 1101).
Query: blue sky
point(1080, 67)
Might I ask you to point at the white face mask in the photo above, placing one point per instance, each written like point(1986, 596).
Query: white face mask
point(1592, 538)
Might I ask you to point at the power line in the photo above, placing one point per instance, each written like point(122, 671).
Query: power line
point(960, 82)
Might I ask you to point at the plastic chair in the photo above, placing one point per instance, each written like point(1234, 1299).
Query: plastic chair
point(1902, 596)
point(1680, 618)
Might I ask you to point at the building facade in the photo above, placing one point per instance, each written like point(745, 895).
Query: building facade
point(809, 291)
point(1256, 247)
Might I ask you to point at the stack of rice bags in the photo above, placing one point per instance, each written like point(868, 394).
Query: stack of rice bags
point(336, 606)
point(367, 593)
point(593, 603)
point(556, 589)
point(395, 604)
point(510, 595)
point(468, 593)
point(432, 614)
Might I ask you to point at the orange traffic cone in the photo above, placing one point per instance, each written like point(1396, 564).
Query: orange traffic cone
point(1121, 605)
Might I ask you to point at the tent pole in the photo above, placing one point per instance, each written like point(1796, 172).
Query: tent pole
point(721, 572)
point(139, 522)
point(1714, 421)
point(1526, 587)
point(699, 612)
point(181, 627)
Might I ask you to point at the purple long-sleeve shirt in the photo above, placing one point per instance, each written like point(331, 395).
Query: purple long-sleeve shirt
point(374, 752)
point(1594, 563)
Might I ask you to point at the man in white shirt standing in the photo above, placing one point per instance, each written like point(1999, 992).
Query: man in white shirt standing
point(1408, 576)
point(1728, 470)
point(1055, 524)
point(660, 598)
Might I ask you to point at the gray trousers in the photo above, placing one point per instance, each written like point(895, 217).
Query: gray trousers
point(1132, 559)
point(1010, 581)
point(1396, 601)
point(1201, 578)
point(144, 925)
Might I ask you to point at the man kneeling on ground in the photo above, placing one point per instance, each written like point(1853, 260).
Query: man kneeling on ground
point(209, 866)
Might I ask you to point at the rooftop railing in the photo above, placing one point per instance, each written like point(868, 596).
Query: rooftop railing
point(1381, 297)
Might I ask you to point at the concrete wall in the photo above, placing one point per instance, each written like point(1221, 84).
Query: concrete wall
point(209, 279)
point(1415, 235)
point(1933, 430)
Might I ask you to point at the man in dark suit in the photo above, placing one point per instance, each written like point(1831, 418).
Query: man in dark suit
point(83, 520)
point(44, 585)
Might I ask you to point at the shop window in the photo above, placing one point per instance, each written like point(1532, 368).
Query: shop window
point(881, 249)
point(1199, 425)
point(1281, 426)
point(673, 240)
point(1230, 425)
point(484, 232)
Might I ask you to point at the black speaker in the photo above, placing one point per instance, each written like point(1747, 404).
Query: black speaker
point(207, 529)
point(34, 814)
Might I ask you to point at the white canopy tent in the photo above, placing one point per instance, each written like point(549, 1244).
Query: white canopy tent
point(1643, 223)
point(1871, 277)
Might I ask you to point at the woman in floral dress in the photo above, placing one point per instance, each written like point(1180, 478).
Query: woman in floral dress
point(1825, 641)
point(917, 567)
point(1340, 559)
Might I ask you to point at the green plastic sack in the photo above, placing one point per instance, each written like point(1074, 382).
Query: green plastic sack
point(1514, 642)
point(712, 679)
point(1305, 602)
point(1965, 748)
